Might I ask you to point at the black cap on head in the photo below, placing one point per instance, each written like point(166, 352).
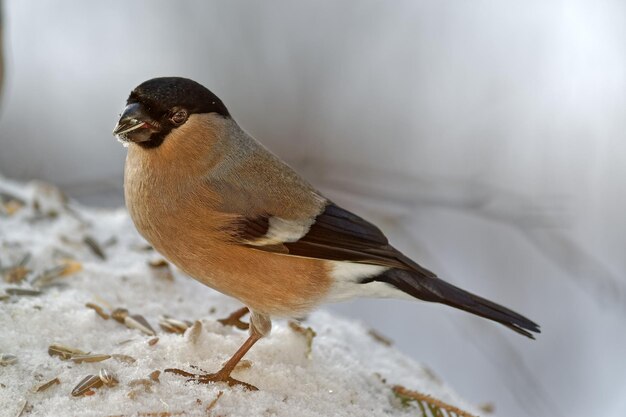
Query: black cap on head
point(159, 105)
point(159, 95)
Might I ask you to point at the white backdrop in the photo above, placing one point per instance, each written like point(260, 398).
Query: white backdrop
point(486, 137)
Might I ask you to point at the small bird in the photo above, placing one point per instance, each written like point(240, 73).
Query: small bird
point(229, 213)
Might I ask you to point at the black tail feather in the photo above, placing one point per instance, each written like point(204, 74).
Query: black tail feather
point(433, 289)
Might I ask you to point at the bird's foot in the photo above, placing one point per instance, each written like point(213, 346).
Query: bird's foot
point(207, 378)
point(235, 319)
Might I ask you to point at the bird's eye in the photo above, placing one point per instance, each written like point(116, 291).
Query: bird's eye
point(179, 117)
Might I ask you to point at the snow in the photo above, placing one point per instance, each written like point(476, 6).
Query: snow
point(348, 373)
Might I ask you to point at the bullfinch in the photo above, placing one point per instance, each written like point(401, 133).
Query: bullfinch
point(229, 213)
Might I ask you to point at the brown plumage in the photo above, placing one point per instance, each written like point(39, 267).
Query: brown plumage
point(230, 214)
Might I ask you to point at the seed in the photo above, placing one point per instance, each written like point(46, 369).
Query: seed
point(15, 274)
point(4, 297)
point(99, 310)
point(47, 385)
point(90, 358)
point(7, 359)
point(119, 314)
point(64, 352)
point(95, 247)
point(154, 376)
point(47, 276)
point(106, 378)
point(142, 382)
point(158, 263)
point(70, 267)
point(243, 364)
point(308, 333)
point(193, 333)
point(161, 269)
point(173, 326)
point(380, 338)
point(153, 341)
point(124, 358)
point(22, 291)
point(85, 386)
point(137, 321)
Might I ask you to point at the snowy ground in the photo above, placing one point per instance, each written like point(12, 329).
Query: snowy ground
point(348, 373)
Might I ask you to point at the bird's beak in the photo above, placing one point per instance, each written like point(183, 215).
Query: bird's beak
point(134, 125)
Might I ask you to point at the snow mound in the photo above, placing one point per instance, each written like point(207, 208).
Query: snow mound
point(57, 257)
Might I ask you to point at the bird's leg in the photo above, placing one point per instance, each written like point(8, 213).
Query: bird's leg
point(260, 326)
point(235, 319)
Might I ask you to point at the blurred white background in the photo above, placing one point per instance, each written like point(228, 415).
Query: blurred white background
point(487, 139)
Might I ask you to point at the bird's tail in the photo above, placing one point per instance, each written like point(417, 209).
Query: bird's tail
point(430, 288)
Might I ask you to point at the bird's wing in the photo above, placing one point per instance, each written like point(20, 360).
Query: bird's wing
point(334, 234)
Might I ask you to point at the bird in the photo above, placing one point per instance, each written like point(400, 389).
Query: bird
point(229, 213)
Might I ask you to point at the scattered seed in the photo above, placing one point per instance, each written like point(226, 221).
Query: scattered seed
point(4, 297)
point(90, 358)
point(137, 321)
point(173, 326)
point(22, 291)
point(16, 274)
point(85, 386)
point(308, 333)
point(95, 247)
point(161, 269)
point(47, 385)
point(119, 314)
point(380, 338)
point(64, 352)
point(142, 382)
point(193, 333)
point(124, 358)
point(47, 276)
point(153, 341)
point(7, 359)
point(243, 364)
point(70, 267)
point(154, 376)
point(21, 409)
point(106, 378)
point(99, 310)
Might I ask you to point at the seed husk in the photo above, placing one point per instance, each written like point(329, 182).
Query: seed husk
point(47, 276)
point(137, 321)
point(47, 385)
point(95, 247)
point(161, 269)
point(119, 314)
point(99, 310)
point(141, 382)
point(22, 292)
point(193, 333)
point(70, 267)
point(380, 338)
point(173, 326)
point(90, 358)
point(7, 359)
point(64, 352)
point(107, 378)
point(154, 376)
point(123, 358)
point(16, 274)
point(85, 386)
point(308, 333)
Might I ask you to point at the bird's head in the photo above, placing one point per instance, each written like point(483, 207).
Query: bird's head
point(160, 105)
